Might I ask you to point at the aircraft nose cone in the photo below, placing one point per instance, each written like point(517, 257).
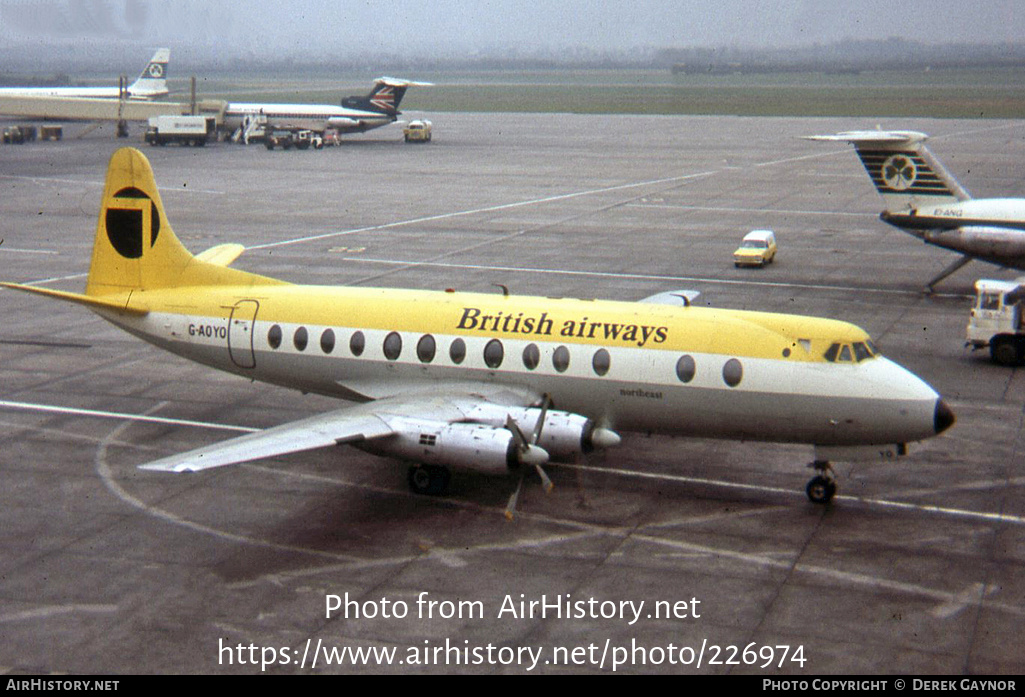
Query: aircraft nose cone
point(943, 418)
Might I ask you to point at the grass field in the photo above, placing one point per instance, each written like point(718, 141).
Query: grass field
point(977, 93)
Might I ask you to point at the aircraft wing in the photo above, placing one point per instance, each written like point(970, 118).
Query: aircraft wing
point(362, 422)
point(333, 428)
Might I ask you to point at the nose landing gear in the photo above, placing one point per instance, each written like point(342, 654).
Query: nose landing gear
point(822, 487)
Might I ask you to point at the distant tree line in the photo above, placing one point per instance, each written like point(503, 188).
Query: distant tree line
point(844, 56)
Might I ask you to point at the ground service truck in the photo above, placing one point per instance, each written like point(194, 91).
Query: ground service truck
point(996, 320)
point(184, 130)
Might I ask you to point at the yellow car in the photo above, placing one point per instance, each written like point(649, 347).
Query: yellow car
point(758, 248)
point(418, 131)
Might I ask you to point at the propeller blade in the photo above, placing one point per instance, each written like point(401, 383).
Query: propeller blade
point(546, 483)
point(514, 428)
point(545, 403)
point(510, 508)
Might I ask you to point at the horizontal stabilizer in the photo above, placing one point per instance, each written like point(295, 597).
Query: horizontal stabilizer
point(896, 138)
point(121, 305)
point(222, 254)
point(399, 82)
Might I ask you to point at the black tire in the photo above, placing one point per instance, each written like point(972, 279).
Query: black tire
point(428, 480)
point(821, 490)
point(269, 143)
point(1005, 350)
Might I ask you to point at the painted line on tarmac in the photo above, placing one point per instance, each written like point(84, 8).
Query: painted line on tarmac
point(486, 209)
point(880, 503)
point(654, 277)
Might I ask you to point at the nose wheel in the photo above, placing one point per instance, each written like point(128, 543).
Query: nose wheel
point(822, 487)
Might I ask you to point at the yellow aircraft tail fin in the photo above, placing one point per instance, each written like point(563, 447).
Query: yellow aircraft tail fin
point(135, 247)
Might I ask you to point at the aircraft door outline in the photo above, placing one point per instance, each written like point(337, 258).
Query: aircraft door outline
point(240, 333)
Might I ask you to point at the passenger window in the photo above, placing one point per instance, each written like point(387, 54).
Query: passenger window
point(274, 337)
point(601, 362)
point(560, 359)
point(357, 342)
point(494, 353)
point(457, 351)
point(732, 372)
point(392, 346)
point(300, 338)
point(327, 341)
point(425, 348)
point(531, 356)
point(685, 368)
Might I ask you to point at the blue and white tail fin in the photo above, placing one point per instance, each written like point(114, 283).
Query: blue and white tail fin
point(384, 97)
point(905, 173)
point(153, 81)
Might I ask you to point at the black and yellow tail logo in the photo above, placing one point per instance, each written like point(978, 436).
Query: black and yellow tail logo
point(132, 221)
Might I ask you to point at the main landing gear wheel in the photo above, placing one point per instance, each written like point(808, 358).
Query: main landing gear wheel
point(431, 480)
point(822, 487)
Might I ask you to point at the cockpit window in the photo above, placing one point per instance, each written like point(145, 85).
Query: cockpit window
point(862, 350)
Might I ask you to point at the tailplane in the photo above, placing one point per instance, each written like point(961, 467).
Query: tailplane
point(153, 81)
point(384, 97)
point(905, 173)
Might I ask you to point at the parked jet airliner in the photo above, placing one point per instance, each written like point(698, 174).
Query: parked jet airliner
point(357, 113)
point(151, 83)
point(491, 382)
point(925, 200)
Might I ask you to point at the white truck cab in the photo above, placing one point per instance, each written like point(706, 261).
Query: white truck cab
point(996, 320)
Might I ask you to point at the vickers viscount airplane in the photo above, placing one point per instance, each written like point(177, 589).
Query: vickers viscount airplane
point(357, 114)
point(491, 382)
point(923, 199)
point(151, 83)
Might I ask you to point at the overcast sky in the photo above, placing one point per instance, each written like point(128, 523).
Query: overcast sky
point(451, 27)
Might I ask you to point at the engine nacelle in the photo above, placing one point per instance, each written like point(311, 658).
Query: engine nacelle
point(563, 435)
point(476, 447)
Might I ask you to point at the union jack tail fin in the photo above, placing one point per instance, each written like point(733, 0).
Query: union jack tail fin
point(905, 173)
point(384, 97)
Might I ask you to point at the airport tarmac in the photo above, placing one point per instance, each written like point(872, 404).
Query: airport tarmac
point(915, 569)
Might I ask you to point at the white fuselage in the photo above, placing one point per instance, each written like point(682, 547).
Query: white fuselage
point(874, 401)
point(316, 117)
point(989, 229)
point(80, 92)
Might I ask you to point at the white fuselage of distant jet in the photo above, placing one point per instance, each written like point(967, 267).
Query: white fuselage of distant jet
point(316, 117)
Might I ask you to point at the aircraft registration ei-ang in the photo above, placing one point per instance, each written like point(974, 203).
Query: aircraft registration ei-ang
point(151, 83)
point(925, 200)
point(491, 382)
